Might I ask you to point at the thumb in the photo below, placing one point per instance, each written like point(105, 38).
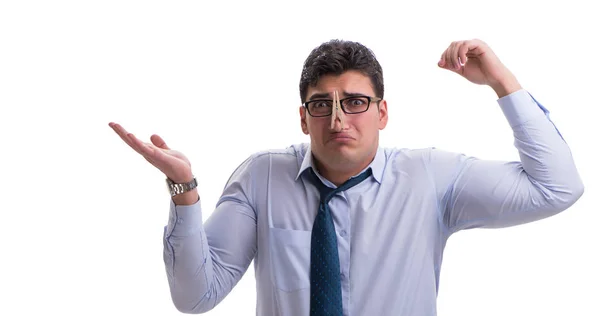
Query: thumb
point(158, 142)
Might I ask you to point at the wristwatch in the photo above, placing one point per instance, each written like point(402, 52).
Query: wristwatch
point(179, 188)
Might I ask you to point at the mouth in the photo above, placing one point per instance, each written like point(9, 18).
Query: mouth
point(341, 137)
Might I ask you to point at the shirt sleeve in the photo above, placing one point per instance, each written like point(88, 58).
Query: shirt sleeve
point(204, 262)
point(477, 193)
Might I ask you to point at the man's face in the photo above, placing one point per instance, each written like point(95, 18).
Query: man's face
point(344, 146)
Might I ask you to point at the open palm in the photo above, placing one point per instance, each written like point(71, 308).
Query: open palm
point(171, 162)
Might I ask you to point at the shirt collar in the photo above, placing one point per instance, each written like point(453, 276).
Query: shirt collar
point(376, 165)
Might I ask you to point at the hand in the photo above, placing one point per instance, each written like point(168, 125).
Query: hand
point(475, 61)
point(172, 163)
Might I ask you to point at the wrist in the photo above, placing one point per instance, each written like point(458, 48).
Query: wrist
point(187, 198)
point(506, 86)
point(183, 193)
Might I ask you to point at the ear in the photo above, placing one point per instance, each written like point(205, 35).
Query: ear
point(303, 122)
point(383, 114)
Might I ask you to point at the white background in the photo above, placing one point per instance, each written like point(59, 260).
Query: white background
point(82, 214)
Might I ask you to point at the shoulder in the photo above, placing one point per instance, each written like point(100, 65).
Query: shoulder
point(395, 154)
point(289, 154)
point(425, 157)
point(418, 153)
point(277, 159)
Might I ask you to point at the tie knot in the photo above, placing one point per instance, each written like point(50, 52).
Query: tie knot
point(327, 193)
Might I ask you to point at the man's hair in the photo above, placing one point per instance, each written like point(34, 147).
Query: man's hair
point(336, 57)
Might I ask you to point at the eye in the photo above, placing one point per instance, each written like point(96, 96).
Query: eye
point(356, 102)
point(321, 104)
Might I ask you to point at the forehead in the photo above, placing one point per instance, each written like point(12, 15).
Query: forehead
point(351, 81)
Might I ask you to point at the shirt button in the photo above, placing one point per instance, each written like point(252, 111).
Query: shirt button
point(343, 233)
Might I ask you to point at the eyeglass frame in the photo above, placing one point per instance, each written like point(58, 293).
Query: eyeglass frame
point(369, 99)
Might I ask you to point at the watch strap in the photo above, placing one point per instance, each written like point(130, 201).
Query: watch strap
point(180, 188)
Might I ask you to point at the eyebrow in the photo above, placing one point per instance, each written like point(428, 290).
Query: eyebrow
point(326, 95)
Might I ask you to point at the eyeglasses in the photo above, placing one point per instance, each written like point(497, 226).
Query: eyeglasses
point(350, 105)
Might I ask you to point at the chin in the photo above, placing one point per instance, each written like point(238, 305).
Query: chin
point(342, 153)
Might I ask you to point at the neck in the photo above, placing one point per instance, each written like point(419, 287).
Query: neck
point(337, 175)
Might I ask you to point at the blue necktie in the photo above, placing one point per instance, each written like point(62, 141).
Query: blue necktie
point(325, 283)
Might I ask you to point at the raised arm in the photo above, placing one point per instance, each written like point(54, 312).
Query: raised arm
point(484, 193)
point(480, 193)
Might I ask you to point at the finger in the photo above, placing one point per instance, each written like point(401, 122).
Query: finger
point(153, 155)
point(144, 149)
point(442, 62)
point(455, 62)
point(151, 152)
point(120, 131)
point(449, 57)
point(475, 48)
point(462, 53)
point(123, 134)
point(448, 60)
point(159, 142)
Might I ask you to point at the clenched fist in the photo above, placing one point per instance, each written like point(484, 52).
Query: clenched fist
point(475, 61)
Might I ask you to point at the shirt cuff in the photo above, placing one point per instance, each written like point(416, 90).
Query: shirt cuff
point(520, 107)
point(184, 220)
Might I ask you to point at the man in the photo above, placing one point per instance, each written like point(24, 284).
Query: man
point(342, 226)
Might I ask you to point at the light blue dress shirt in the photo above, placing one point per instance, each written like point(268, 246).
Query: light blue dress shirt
point(391, 228)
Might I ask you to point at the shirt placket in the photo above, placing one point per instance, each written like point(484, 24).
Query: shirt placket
point(340, 212)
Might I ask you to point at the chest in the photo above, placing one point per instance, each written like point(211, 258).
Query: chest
point(379, 227)
point(396, 210)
